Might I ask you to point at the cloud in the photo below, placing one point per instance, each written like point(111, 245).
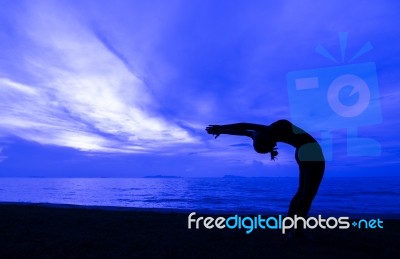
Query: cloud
point(241, 145)
point(77, 92)
point(2, 157)
point(138, 77)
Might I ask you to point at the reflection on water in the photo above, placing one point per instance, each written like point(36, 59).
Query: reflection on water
point(257, 195)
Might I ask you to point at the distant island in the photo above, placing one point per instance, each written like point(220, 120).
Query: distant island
point(162, 176)
point(233, 176)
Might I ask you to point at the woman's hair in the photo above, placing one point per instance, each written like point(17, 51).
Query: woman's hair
point(273, 153)
point(263, 144)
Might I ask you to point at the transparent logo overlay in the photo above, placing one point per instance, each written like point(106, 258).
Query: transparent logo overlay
point(342, 96)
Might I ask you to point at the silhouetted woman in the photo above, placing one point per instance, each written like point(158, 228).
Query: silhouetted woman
point(308, 155)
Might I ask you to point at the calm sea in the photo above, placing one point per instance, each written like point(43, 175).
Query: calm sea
point(337, 196)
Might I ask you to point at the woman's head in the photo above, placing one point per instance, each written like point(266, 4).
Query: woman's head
point(264, 144)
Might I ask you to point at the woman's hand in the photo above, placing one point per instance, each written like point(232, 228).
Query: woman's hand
point(214, 130)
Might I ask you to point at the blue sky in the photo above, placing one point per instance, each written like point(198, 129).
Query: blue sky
point(126, 88)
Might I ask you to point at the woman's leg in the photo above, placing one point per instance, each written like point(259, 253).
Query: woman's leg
point(311, 174)
point(310, 177)
point(293, 208)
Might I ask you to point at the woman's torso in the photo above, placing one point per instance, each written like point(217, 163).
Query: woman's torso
point(307, 148)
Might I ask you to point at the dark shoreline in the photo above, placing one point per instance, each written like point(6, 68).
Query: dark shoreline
point(54, 231)
point(202, 212)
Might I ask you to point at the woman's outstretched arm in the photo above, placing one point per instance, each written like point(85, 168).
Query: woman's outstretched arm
point(240, 129)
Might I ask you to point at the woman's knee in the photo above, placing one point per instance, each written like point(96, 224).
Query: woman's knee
point(307, 198)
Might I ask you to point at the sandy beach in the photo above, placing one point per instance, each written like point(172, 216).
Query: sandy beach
point(29, 230)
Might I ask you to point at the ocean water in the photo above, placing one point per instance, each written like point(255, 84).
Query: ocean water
point(336, 196)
